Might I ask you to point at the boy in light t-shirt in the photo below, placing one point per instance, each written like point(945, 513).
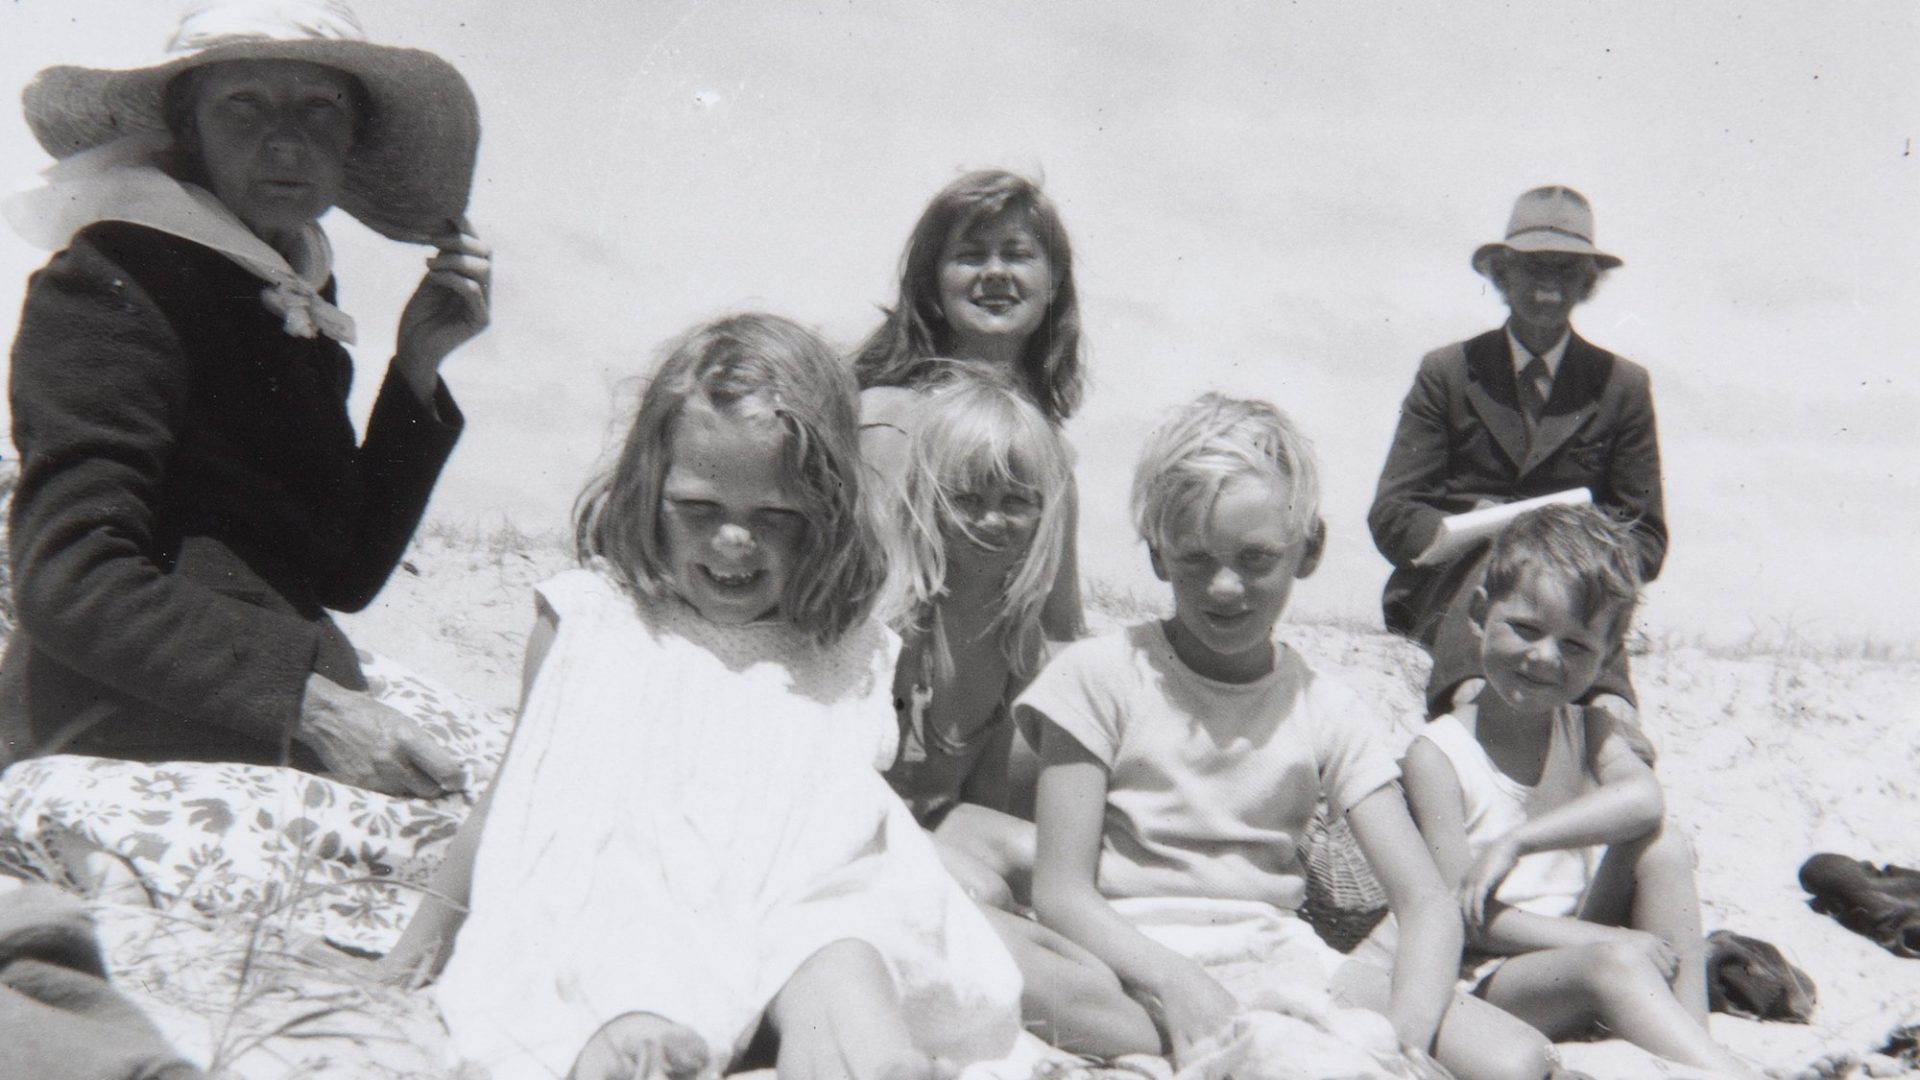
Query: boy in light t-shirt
point(1182, 759)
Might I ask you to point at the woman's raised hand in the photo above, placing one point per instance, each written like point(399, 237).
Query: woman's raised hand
point(453, 303)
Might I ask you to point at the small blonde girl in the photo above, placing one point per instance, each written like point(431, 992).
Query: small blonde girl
point(981, 512)
point(690, 835)
point(978, 513)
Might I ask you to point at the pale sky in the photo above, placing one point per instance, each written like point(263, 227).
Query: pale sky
point(1277, 201)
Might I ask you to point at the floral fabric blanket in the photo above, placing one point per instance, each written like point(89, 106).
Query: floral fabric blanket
point(220, 839)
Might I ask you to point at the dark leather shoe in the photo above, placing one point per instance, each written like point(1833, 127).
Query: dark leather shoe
point(1749, 977)
point(1878, 903)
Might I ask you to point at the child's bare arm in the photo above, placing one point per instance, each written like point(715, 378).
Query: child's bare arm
point(1612, 758)
point(1625, 805)
point(1439, 810)
point(428, 939)
point(1062, 617)
point(1428, 958)
point(1438, 806)
point(1184, 1000)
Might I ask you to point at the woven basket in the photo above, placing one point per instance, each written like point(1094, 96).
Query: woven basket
point(1344, 900)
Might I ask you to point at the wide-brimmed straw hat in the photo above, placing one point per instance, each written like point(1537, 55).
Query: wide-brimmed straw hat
point(411, 166)
point(1550, 218)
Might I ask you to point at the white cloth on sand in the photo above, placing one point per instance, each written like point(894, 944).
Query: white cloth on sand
point(1297, 1022)
point(687, 813)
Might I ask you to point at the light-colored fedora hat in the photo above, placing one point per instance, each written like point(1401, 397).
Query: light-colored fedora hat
point(1552, 218)
point(412, 163)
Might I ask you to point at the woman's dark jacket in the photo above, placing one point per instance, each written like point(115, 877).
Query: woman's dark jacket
point(191, 500)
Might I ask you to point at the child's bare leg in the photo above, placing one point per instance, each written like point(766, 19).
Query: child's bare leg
point(839, 1017)
point(1475, 1042)
point(1000, 842)
point(1069, 997)
point(1648, 884)
point(1562, 991)
point(979, 881)
point(641, 1046)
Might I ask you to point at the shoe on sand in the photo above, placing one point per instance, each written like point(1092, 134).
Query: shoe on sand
point(1881, 904)
point(1749, 977)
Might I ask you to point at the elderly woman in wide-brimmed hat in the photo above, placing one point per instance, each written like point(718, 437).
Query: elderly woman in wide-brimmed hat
point(192, 496)
point(1528, 410)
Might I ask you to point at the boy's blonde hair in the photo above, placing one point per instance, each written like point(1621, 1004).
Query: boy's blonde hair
point(977, 427)
point(1201, 446)
point(764, 369)
point(1590, 550)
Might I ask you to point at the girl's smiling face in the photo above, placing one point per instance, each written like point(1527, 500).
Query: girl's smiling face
point(733, 532)
point(996, 282)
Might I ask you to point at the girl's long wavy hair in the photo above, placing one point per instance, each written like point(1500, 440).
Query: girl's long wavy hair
point(973, 429)
point(901, 351)
point(759, 368)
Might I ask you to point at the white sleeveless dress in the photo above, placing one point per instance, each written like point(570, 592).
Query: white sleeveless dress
point(686, 813)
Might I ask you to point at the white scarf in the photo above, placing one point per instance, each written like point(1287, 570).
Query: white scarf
point(119, 182)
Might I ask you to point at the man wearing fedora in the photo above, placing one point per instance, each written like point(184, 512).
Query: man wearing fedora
point(1525, 410)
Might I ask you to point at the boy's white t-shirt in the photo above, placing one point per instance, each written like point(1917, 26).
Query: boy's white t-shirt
point(1210, 785)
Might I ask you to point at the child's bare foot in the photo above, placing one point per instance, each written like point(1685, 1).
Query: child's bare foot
point(839, 1018)
point(641, 1046)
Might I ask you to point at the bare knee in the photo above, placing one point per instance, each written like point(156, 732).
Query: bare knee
point(1001, 841)
point(836, 967)
point(1018, 848)
point(1667, 851)
point(1615, 966)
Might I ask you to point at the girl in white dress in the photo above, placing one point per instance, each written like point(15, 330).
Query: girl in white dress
point(690, 834)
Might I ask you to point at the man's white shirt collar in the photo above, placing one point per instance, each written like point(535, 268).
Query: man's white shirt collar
point(1552, 357)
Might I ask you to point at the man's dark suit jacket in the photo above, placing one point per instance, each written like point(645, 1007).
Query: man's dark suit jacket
point(1463, 438)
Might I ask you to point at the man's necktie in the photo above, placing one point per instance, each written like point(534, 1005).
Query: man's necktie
point(1535, 385)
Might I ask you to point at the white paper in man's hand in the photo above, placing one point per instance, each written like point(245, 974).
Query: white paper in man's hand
point(1460, 531)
